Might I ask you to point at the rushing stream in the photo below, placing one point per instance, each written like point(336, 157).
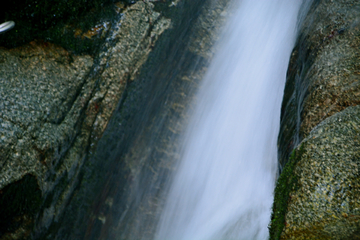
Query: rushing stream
point(223, 187)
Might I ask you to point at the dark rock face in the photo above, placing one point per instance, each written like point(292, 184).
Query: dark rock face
point(39, 85)
point(19, 202)
point(315, 197)
point(55, 21)
point(140, 143)
point(120, 87)
point(54, 107)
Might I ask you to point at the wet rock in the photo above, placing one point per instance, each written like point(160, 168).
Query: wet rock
point(315, 196)
point(208, 29)
point(56, 105)
point(142, 152)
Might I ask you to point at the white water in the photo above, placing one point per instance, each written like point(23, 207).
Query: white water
point(223, 188)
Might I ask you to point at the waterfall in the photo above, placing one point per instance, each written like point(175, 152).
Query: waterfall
point(223, 186)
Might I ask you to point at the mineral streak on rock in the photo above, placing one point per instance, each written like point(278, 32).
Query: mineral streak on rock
point(54, 105)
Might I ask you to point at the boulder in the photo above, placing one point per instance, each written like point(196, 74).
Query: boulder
point(320, 186)
point(315, 196)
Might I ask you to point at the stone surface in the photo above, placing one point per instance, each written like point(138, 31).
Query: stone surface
point(39, 83)
point(145, 158)
point(208, 28)
point(56, 105)
point(317, 194)
point(324, 204)
point(324, 72)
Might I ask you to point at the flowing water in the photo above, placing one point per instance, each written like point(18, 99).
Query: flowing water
point(223, 187)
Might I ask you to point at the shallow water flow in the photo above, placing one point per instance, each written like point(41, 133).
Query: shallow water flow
point(223, 187)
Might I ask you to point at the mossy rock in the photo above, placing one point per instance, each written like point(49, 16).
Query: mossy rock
point(323, 200)
point(319, 113)
point(286, 183)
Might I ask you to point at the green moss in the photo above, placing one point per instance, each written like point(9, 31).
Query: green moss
point(286, 183)
point(19, 202)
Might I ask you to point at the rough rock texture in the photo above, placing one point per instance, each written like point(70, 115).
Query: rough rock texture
point(54, 107)
point(320, 185)
point(125, 173)
point(317, 193)
point(324, 71)
point(39, 85)
point(324, 202)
